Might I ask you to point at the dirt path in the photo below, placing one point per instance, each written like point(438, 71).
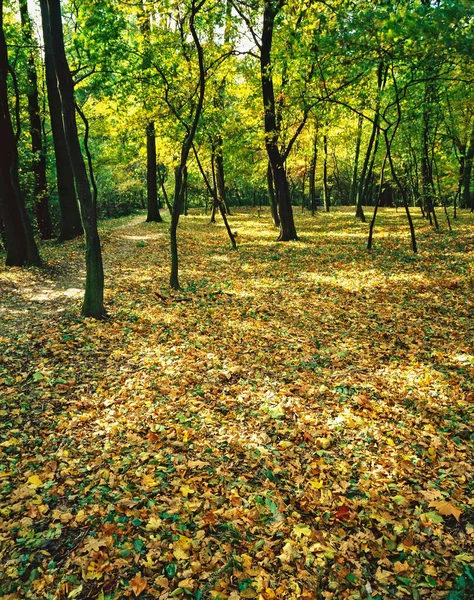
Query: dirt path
point(37, 294)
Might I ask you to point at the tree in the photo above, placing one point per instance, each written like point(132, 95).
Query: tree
point(41, 193)
point(21, 245)
point(93, 305)
point(70, 225)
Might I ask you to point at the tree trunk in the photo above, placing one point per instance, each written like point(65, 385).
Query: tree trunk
point(93, 305)
point(19, 240)
point(70, 223)
point(353, 192)
point(180, 172)
point(466, 201)
point(371, 152)
point(285, 211)
point(219, 171)
point(153, 215)
point(271, 196)
point(312, 171)
point(327, 199)
point(38, 166)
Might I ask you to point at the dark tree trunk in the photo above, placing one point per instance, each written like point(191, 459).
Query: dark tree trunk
point(466, 201)
point(371, 152)
point(276, 158)
point(353, 192)
point(180, 172)
point(326, 194)
point(19, 240)
point(41, 195)
point(214, 184)
point(93, 305)
point(312, 171)
point(153, 215)
point(219, 172)
point(271, 196)
point(70, 223)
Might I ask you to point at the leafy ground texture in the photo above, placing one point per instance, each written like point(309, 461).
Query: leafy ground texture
point(296, 422)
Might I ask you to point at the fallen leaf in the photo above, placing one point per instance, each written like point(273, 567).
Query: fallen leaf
point(446, 509)
point(138, 584)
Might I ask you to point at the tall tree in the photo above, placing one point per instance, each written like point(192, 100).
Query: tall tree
point(153, 209)
point(21, 245)
point(93, 305)
point(41, 193)
point(272, 130)
point(70, 225)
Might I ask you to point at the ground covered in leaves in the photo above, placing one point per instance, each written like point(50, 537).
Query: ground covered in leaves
point(296, 422)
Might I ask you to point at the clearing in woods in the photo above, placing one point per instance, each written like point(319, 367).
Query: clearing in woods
point(296, 422)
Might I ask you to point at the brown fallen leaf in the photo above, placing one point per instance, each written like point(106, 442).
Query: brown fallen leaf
point(138, 584)
point(446, 509)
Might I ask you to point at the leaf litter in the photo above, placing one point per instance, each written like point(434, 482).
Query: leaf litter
point(296, 422)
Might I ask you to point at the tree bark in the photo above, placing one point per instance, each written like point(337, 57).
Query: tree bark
point(38, 166)
point(353, 192)
point(180, 171)
point(70, 225)
point(153, 214)
point(271, 196)
point(19, 240)
point(93, 305)
point(219, 170)
point(466, 200)
point(312, 171)
point(276, 158)
point(326, 194)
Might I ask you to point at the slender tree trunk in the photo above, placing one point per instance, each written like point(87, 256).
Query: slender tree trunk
point(19, 240)
point(371, 152)
point(312, 171)
point(353, 192)
point(161, 178)
point(214, 185)
point(93, 305)
point(41, 194)
point(180, 172)
point(327, 199)
point(70, 223)
point(271, 196)
point(276, 158)
point(466, 201)
point(215, 198)
point(151, 188)
point(219, 171)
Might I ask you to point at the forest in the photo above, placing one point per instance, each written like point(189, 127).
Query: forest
point(236, 299)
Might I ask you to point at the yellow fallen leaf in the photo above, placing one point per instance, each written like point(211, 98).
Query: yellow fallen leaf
point(183, 542)
point(383, 576)
point(299, 530)
point(289, 553)
point(180, 554)
point(35, 481)
point(316, 484)
point(154, 523)
point(149, 481)
point(186, 490)
point(186, 583)
point(401, 567)
point(324, 442)
point(446, 508)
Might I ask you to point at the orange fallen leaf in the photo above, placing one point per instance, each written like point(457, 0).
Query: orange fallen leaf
point(138, 584)
point(446, 508)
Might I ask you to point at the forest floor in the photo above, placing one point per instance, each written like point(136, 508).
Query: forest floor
point(296, 422)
